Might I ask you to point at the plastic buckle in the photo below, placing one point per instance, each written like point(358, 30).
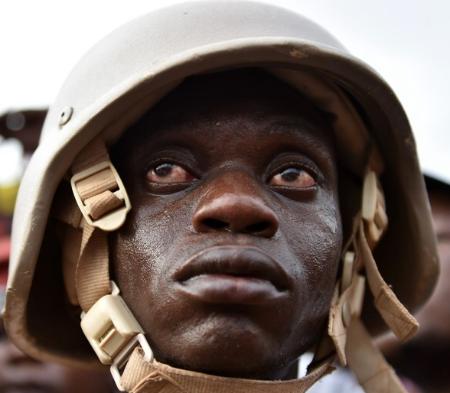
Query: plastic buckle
point(373, 208)
point(113, 219)
point(110, 327)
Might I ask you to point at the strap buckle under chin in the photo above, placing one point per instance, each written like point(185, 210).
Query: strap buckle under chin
point(113, 332)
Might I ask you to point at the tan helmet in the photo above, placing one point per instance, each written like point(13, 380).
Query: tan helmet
point(135, 66)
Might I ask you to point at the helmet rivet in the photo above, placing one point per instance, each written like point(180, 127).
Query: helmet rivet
point(65, 116)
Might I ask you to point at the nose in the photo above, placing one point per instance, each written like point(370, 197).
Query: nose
point(233, 203)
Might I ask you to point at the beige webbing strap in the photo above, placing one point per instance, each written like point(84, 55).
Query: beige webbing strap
point(154, 377)
point(368, 364)
point(99, 192)
point(85, 260)
point(91, 155)
point(92, 272)
point(352, 342)
point(70, 255)
point(344, 308)
point(397, 317)
point(66, 211)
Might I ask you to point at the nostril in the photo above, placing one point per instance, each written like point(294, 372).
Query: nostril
point(258, 227)
point(214, 223)
point(235, 213)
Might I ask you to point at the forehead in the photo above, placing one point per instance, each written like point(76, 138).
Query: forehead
point(250, 103)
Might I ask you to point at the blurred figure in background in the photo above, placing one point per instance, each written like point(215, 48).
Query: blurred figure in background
point(21, 374)
point(422, 363)
point(425, 360)
point(19, 135)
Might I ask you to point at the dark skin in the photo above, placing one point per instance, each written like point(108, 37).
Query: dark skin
point(229, 256)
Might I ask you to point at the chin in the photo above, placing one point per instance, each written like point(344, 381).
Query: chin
point(226, 348)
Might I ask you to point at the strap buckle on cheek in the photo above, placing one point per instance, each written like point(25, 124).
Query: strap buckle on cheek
point(113, 332)
point(101, 196)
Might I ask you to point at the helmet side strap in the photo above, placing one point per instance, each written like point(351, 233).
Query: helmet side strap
point(103, 203)
point(85, 260)
point(92, 279)
point(101, 206)
point(351, 340)
point(394, 313)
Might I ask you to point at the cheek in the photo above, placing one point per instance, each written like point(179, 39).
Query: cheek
point(141, 252)
point(315, 238)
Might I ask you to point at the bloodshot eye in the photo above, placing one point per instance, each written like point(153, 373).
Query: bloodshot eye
point(168, 173)
point(293, 177)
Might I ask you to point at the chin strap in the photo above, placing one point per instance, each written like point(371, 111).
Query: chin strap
point(154, 377)
point(118, 340)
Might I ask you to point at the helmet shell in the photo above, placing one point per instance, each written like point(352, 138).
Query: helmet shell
point(131, 69)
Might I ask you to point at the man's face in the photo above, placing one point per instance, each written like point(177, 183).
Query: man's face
point(229, 256)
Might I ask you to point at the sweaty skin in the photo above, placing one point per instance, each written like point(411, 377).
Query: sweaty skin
point(229, 255)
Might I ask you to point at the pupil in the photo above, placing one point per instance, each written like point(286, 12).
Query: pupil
point(163, 170)
point(290, 174)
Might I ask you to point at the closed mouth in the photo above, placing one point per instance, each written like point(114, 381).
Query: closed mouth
point(233, 274)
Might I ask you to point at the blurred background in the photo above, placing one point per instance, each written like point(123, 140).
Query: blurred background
point(406, 41)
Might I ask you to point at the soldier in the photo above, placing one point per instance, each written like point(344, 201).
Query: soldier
point(257, 163)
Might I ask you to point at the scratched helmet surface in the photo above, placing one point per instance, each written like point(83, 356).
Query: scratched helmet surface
point(135, 66)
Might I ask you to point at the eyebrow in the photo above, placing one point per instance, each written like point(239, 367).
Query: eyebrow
point(314, 133)
point(298, 123)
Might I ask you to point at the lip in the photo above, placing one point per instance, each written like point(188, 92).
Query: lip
point(233, 275)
